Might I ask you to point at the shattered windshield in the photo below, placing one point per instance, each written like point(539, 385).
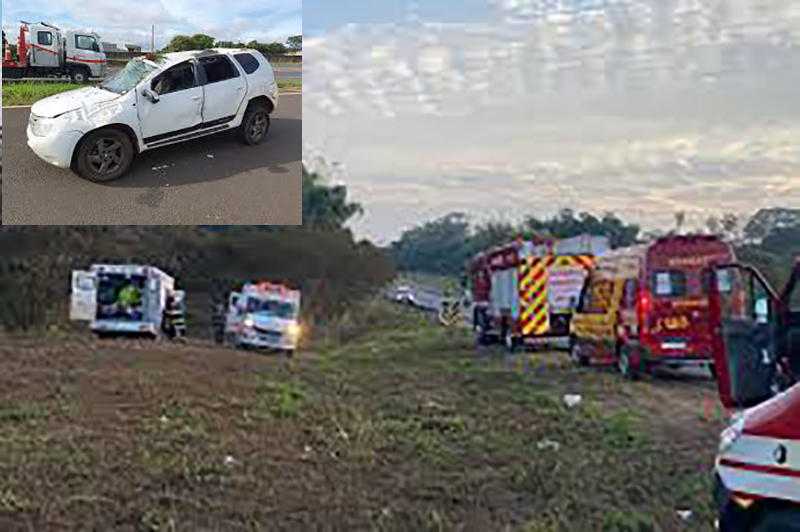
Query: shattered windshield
point(133, 73)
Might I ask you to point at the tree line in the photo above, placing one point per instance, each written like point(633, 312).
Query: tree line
point(769, 239)
point(183, 43)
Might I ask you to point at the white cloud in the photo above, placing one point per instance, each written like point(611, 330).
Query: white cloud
point(650, 112)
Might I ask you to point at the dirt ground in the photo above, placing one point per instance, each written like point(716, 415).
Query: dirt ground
point(405, 426)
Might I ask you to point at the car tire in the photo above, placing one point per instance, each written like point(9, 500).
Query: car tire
point(104, 155)
point(255, 125)
point(624, 364)
point(713, 369)
point(288, 352)
point(79, 76)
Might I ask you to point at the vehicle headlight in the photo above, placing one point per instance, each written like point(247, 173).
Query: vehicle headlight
point(294, 331)
point(729, 436)
point(249, 323)
point(41, 127)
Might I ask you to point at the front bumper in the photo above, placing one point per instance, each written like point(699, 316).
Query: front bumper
point(267, 340)
point(120, 326)
point(56, 149)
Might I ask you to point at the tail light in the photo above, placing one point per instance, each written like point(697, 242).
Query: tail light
point(644, 302)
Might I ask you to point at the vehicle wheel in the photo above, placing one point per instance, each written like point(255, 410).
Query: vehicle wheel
point(787, 520)
point(104, 155)
point(625, 365)
point(713, 369)
point(288, 352)
point(255, 125)
point(79, 76)
point(576, 353)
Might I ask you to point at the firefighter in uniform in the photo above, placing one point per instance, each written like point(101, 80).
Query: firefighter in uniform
point(175, 318)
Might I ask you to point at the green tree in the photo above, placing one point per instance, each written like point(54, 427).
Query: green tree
point(295, 43)
point(179, 43)
point(326, 206)
point(202, 42)
point(440, 247)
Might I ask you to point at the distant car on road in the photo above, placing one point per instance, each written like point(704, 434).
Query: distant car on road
point(405, 295)
point(157, 100)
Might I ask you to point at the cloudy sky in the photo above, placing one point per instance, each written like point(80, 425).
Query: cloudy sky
point(501, 108)
point(129, 22)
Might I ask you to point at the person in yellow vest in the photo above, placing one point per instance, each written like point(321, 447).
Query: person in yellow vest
point(129, 299)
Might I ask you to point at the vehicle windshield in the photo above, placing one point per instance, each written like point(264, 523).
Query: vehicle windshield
point(280, 309)
point(127, 79)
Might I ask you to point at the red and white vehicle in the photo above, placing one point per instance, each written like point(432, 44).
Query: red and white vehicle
point(647, 305)
point(525, 292)
point(264, 315)
point(757, 353)
point(44, 50)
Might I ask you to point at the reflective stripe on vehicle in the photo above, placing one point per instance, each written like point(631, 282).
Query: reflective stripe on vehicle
point(757, 465)
point(86, 60)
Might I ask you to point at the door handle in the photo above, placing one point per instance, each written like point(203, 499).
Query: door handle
point(239, 88)
point(196, 98)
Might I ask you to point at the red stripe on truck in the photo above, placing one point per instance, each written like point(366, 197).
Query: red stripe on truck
point(86, 60)
point(45, 49)
point(770, 470)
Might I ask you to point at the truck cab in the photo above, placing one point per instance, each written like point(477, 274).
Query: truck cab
point(757, 353)
point(264, 315)
point(45, 50)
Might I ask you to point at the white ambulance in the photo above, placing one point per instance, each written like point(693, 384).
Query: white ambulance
point(264, 315)
point(121, 299)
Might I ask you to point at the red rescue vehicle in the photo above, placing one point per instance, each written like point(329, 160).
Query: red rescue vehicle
point(525, 292)
point(757, 353)
point(647, 305)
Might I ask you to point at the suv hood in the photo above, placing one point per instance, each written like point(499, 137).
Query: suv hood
point(71, 100)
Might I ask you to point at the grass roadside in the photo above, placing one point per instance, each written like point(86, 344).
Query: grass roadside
point(403, 427)
point(30, 93)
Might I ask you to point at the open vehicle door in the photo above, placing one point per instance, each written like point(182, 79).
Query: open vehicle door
point(744, 323)
point(83, 305)
point(756, 340)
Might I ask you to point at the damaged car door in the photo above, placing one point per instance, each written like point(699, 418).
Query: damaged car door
point(224, 89)
point(170, 105)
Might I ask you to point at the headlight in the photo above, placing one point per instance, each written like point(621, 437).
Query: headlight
point(729, 436)
point(41, 127)
point(294, 331)
point(248, 323)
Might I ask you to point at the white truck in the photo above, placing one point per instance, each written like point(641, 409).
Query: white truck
point(263, 315)
point(44, 50)
point(124, 299)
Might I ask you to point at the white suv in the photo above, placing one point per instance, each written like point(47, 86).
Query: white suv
point(155, 101)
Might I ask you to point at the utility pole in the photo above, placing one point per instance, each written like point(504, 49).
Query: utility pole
point(153, 38)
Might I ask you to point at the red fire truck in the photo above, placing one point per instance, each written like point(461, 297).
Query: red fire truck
point(525, 292)
point(757, 353)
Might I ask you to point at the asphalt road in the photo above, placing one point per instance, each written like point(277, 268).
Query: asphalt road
point(213, 180)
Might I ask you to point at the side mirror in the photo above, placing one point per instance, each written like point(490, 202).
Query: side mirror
point(151, 95)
